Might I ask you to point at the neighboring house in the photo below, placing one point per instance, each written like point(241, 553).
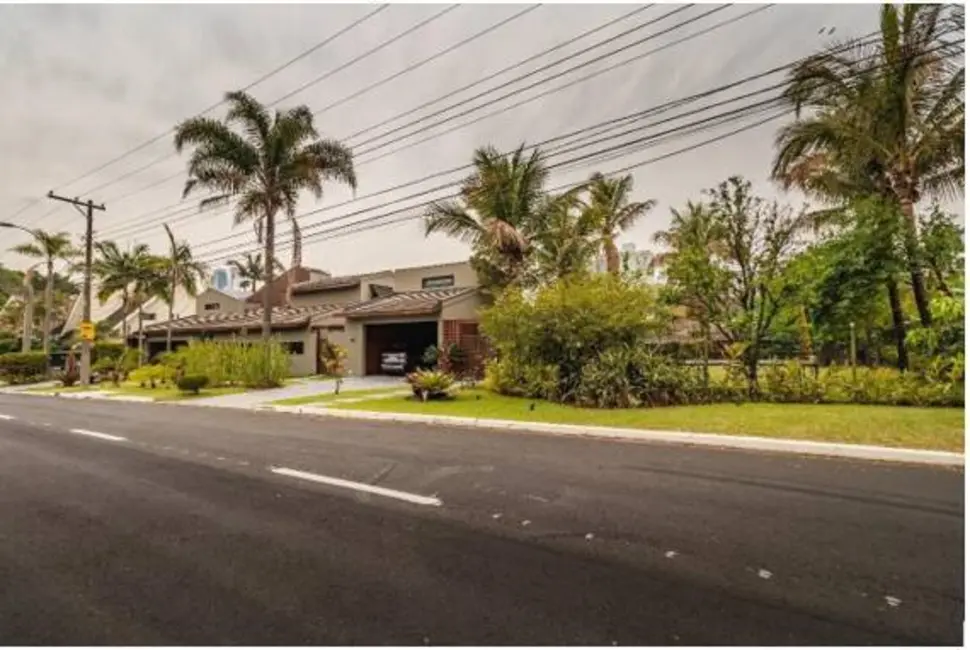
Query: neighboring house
point(109, 312)
point(635, 259)
point(396, 309)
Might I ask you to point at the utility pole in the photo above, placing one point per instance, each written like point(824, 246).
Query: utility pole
point(86, 208)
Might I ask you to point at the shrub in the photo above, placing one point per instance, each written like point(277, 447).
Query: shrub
point(152, 376)
point(107, 350)
point(253, 364)
point(790, 383)
point(23, 367)
point(431, 384)
point(567, 326)
point(429, 358)
point(192, 383)
point(69, 377)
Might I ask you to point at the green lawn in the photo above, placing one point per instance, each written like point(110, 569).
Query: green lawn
point(890, 426)
point(344, 394)
point(161, 394)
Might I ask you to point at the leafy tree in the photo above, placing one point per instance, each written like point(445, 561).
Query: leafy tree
point(264, 168)
point(50, 247)
point(610, 208)
point(152, 280)
point(729, 262)
point(888, 119)
point(184, 271)
point(942, 247)
point(496, 213)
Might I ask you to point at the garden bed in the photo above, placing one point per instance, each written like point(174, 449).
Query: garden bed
point(888, 426)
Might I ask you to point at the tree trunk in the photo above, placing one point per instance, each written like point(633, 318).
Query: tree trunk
point(48, 306)
point(124, 317)
point(899, 325)
point(171, 309)
point(944, 287)
point(268, 275)
point(913, 259)
point(612, 255)
point(141, 337)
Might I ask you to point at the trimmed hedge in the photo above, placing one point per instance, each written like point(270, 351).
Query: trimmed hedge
point(23, 367)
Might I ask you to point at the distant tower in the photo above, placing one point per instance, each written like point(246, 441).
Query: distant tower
point(222, 279)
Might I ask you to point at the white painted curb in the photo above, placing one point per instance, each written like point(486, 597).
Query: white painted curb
point(809, 447)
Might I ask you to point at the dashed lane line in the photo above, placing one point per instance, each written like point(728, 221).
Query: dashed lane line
point(359, 487)
point(98, 434)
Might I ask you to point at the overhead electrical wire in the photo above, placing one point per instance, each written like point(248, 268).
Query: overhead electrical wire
point(450, 95)
point(557, 75)
point(582, 133)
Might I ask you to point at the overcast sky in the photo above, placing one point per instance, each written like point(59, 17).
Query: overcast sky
point(84, 84)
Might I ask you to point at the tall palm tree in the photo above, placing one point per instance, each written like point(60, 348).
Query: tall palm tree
point(611, 209)
point(51, 247)
point(118, 272)
point(264, 167)
point(566, 237)
point(250, 269)
point(183, 271)
point(497, 209)
point(888, 119)
point(152, 280)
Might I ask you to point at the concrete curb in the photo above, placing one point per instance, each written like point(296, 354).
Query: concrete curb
point(806, 447)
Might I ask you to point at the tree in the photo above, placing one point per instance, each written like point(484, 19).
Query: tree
point(942, 247)
point(264, 168)
point(611, 209)
point(729, 263)
point(250, 269)
point(496, 213)
point(118, 272)
point(50, 247)
point(152, 280)
point(183, 271)
point(888, 120)
point(565, 237)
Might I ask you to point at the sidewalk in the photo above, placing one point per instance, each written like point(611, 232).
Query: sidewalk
point(751, 443)
point(256, 398)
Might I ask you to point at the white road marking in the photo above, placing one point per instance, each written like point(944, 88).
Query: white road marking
point(670, 554)
point(360, 487)
point(892, 601)
point(589, 537)
point(764, 574)
point(97, 434)
point(6, 417)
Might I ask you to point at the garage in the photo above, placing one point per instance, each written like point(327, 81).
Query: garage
point(411, 338)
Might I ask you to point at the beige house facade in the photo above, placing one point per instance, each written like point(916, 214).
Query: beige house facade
point(404, 310)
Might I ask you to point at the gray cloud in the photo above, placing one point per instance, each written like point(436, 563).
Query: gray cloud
point(83, 84)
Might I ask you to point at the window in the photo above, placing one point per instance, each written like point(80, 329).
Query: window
point(334, 328)
point(438, 282)
point(147, 315)
point(211, 306)
point(294, 347)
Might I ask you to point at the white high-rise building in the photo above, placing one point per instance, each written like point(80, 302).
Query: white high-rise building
point(223, 278)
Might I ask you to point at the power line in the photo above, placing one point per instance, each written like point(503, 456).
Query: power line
point(299, 89)
point(611, 152)
point(258, 81)
point(652, 36)
point(545, 93)
point(583, 133)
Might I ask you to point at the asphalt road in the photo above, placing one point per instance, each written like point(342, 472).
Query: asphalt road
point(163, 524)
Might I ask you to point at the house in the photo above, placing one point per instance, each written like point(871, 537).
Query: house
point(395, 309)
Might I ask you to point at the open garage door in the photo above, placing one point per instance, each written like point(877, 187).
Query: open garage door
point(411, 338)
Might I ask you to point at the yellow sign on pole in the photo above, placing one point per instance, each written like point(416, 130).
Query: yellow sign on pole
point(87, 330)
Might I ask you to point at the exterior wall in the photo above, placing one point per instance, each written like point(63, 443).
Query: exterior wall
point(335, 297)
point(356, 357)
point(463, 308)
point(279, 287)
point(410, 279)
point(227, 304)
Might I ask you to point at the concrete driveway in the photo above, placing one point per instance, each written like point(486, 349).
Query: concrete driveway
point(302, 388)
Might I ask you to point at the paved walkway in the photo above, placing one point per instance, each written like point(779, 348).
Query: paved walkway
point(302, 388)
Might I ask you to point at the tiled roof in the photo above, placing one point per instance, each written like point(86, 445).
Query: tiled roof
point(406, 303)
point(327, 284)
point(283, 318)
